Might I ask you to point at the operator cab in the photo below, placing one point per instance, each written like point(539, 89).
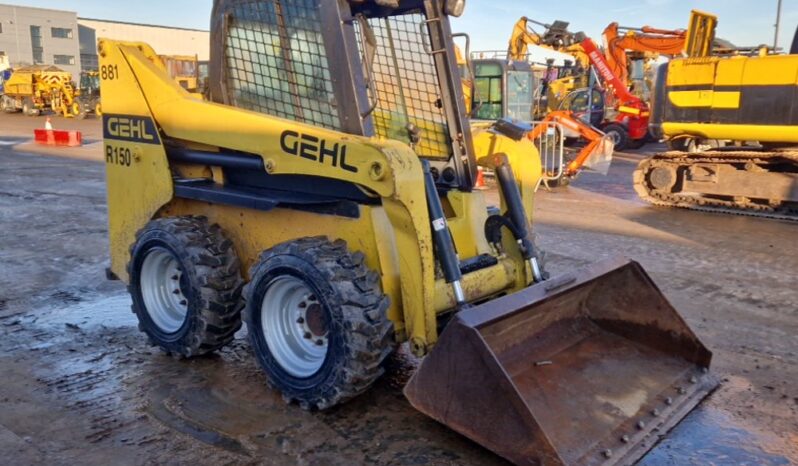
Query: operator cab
point(578, 102)
point(369, 68)
point(90, 83)
point(503, 89)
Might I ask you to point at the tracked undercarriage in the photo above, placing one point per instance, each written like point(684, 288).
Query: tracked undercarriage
point(762, 184)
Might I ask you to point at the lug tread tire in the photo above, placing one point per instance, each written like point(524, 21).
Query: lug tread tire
point(217, 299)
point(368, 334)
point(623, 144)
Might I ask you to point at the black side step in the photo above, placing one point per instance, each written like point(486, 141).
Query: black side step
point(263, 199)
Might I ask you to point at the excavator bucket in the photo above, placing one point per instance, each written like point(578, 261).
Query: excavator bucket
point(600, 157)
point(589, 368)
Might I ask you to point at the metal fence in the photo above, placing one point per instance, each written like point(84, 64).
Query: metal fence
point(551, 145)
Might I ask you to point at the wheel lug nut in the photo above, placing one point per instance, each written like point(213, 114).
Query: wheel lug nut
point(303, 305)
point(176, 292)
point(319, 342)
point(175, 277)
point(183, 302)
point(300, 320)
point(308, 336)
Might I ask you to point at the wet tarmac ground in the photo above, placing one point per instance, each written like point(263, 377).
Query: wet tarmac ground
point(81, 386)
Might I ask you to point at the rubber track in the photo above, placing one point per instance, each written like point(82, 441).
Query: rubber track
point(711, 205)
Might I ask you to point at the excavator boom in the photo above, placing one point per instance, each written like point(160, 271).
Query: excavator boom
point(646, 39)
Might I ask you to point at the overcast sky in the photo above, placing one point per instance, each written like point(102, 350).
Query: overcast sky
point(743, 22)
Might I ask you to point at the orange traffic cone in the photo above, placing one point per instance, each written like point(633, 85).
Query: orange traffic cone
point(480, 184)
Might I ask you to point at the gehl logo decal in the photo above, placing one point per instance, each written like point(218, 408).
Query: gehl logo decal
point(130, 128)
point(312, 148)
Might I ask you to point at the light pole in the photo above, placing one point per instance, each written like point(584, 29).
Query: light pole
point(778, 23)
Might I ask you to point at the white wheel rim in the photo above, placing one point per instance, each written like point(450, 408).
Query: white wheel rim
point(294, 327)
point(615, 137)
point(164, 298)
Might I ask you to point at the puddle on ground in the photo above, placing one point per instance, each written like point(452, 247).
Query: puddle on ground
point(110, 312)
point(200, 399)
point(708, 437)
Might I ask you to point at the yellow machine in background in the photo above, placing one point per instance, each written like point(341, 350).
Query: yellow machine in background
point(557, 38)
point(35, 88)
point(184, 69)
point(702, 104)
point(88, 99)
point(319, 194)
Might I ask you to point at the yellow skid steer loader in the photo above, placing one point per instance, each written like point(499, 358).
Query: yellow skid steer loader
point(325, 198)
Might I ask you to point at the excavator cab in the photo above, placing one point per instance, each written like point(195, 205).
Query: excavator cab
point(331, 178)
point(504, 89)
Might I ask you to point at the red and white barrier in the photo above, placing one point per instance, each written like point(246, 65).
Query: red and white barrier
point(58, 138)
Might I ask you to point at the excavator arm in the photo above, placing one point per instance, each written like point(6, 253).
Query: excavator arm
point(520, 40)
point(556, 38)
point(598, 150)
point(619, 40)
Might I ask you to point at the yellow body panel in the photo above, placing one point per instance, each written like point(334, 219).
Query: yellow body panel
point(771, 70)
point(741, 98)
point(705, 99)
point(395, 236)
point(770, 133)
point(691, 71)
point(135, 192)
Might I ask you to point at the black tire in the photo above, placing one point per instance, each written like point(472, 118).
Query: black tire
point(210, 282)
point(7, 105)
point(359, 335)
point(561, 182)
point(635, 144)
point(29, 108)
point(619, 134)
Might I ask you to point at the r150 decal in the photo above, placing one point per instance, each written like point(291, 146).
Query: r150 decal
point(121, 156)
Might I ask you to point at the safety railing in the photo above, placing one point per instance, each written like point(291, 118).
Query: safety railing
point(551, 146)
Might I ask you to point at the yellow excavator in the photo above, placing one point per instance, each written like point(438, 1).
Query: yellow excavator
point(325, 197)
point(555, 37)
point(731, 123)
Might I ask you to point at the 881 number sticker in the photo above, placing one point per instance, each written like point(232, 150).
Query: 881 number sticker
point(109, 72)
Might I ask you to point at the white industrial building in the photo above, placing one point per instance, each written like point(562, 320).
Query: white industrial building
point(33, 36)
point(165, 40)
point(38, 36)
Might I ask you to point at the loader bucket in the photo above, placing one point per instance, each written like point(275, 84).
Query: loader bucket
point(589, 368)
